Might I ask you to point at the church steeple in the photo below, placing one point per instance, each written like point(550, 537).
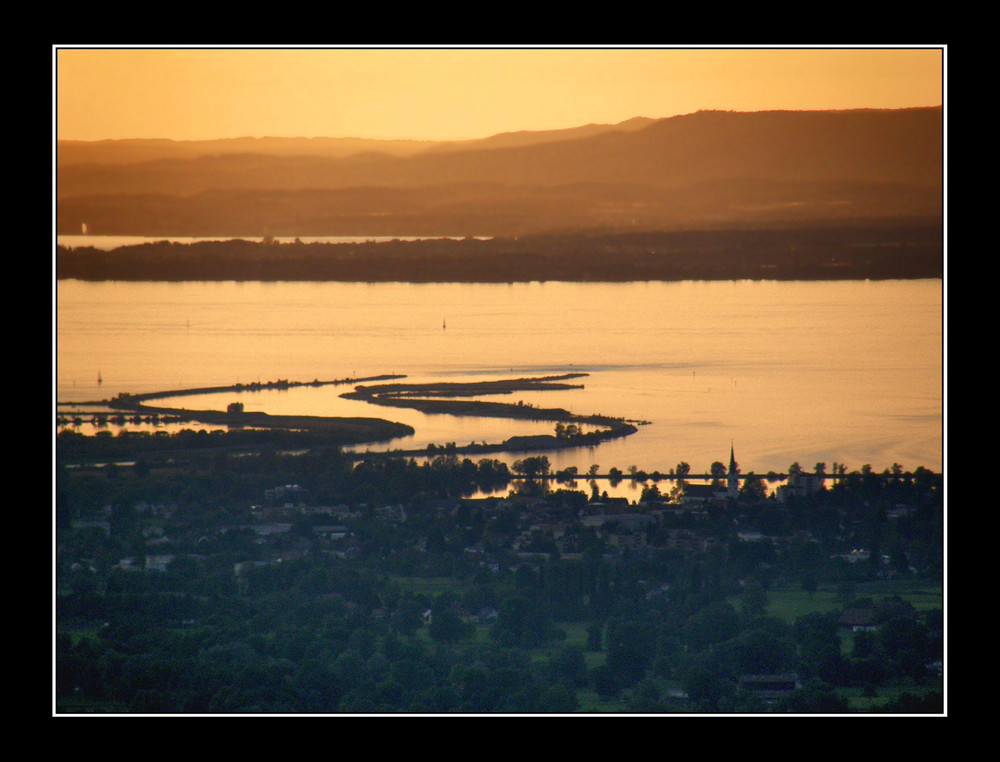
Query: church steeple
point(732, 482)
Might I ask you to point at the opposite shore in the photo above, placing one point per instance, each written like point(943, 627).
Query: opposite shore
point(907, 249)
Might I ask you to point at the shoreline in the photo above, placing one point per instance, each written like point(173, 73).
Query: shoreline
point(866, 250)
point(437, 398)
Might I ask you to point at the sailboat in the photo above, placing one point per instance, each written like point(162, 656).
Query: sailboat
point(99, 379)
point(444, 324)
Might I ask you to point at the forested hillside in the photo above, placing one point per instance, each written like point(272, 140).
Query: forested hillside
point(703, 170)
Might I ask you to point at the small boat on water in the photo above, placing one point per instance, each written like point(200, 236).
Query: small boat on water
point(99, 379)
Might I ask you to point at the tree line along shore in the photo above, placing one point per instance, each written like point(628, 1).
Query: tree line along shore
point(907, 249)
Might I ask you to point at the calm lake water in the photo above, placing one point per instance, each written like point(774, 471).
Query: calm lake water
point(848, 371)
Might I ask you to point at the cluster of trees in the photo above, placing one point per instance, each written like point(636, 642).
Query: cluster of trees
point(304, 639)
point(891, 251)
point(334, 635)
point(73, 445)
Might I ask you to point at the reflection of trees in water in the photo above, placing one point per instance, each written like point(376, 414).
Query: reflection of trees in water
point(535, 470)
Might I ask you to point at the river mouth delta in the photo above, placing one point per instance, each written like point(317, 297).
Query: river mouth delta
point(440, 398)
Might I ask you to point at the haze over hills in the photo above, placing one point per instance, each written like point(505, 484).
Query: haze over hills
point(115, 152)
point(707, 170)
point(73, 152)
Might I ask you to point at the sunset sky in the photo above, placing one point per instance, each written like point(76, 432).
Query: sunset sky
point(459, 93)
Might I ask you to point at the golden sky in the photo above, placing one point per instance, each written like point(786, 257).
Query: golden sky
point(459, 93)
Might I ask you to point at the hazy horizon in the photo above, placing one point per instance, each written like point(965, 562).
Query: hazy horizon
point(456, 93)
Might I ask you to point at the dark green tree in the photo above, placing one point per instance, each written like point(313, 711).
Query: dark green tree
point(718, 471)
point(714, 623)
point(522, 623)
point(753, 488)
point(569, 665)
point(631, 646)
point(605, 681)
point(594, 636)
point(754, 601)
point(447, 627)
point(682, 471)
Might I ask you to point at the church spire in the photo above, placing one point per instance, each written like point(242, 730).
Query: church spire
point(732, 482)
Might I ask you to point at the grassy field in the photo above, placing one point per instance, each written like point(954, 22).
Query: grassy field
point(859, 702)
point(787, 602)
point(790, 603)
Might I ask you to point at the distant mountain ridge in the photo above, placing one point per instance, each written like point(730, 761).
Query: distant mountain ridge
point(707, 169)
point(134, 150)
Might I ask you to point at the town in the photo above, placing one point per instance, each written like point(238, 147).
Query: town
point(227, 581)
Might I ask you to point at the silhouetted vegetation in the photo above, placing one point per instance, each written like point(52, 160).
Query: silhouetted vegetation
point(904, 250)
point(255, 428)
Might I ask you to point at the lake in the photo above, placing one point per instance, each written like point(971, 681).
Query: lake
point(841, 371)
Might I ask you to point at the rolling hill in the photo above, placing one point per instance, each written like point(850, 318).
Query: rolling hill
point(707, 170)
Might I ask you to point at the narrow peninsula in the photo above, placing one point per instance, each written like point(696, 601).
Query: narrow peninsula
point(570, 429)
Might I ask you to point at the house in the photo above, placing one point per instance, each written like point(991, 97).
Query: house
point(477, 551)
point(799, 485)
point(391, 514)
point(284, 493)
point(331, 532)
point(242, 568)
point(770, 687)
point(855, 555)
point(487, 615)
point(80, 525)
point(334, 511)
point(266, 530)
point(626, 539)
point(857, 620)
point(681, 539)
point(700, 493)
point(158, 563)
point(630, 521)
point(710, 493)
